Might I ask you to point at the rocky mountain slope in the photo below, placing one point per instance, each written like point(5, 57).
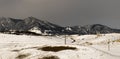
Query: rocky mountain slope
point(27, 25)
point(32, 25)
point(93, 29)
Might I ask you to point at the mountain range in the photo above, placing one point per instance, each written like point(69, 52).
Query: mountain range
point(34, 26)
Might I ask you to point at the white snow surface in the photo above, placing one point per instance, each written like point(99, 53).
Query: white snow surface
point(26, 47)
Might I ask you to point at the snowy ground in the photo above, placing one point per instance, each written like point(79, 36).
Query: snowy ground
point(87, 47)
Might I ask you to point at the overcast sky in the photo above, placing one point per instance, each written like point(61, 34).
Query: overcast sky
point(65, 12)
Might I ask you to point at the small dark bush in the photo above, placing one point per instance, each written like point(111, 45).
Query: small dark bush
point(57, 48)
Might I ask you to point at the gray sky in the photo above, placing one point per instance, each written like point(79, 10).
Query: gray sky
point(65, 12)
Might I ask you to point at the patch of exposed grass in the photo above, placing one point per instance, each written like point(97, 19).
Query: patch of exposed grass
point(50, 57)
point(117, 40)
point(87, 44)
point(57, 48)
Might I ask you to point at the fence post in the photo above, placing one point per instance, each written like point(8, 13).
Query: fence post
point(65, 39)
point(108, 44)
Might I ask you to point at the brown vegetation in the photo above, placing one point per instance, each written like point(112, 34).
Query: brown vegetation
point(117, 40)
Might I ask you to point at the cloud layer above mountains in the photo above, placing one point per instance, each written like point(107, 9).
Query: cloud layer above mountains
point(65, 12)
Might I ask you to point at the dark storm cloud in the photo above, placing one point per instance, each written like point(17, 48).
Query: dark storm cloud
point(65, 12)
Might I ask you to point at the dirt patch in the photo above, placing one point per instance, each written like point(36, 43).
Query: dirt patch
point(15, 50)
point(22, 56)
point(56, 48)
point(50, 57)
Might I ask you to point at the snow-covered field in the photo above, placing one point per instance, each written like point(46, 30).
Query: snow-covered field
point(87, 47)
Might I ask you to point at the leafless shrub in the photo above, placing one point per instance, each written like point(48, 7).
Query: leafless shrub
point(98, 34)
